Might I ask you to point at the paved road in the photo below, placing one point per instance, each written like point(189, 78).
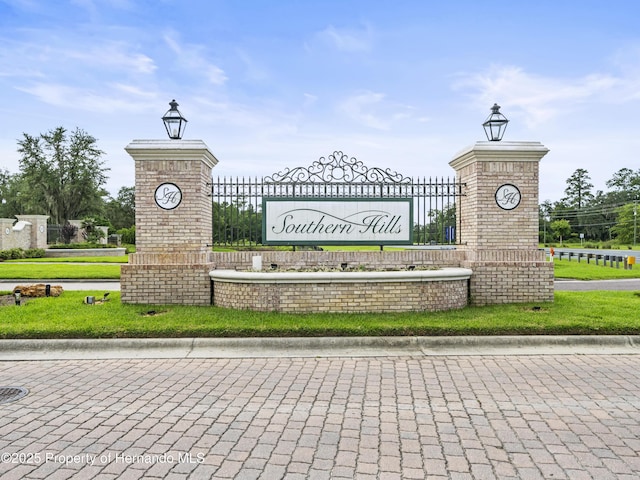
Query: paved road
point(581, 285)
point(396, 417)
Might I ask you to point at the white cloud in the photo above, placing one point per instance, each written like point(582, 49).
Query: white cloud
point(101, 101)
point(373, 110)
point(348, 40)
point(361, 108)
point(113, 56)
point(540, 98)
point(309, 100)
point(194, 58)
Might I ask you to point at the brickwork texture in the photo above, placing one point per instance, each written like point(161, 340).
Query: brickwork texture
point(501, 246)
point(343, 297)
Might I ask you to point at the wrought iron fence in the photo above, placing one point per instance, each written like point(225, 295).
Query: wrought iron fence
point(54, 234)
point(237, 202)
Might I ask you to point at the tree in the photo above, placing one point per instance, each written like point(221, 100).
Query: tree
point(63, 174)
point(578, 191)
point(627, 228)
point(562, 229)
point(92, 233)
point(121, 211)
point(625, 185)
point(545, 209)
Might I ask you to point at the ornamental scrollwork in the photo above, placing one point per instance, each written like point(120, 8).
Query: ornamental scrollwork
point(337, 168)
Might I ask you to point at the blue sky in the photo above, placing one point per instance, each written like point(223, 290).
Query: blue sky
point(270, 84)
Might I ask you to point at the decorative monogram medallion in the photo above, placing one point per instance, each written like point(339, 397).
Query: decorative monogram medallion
point(168, 196)
point(508, 196)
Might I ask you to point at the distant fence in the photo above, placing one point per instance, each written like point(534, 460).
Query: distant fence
point(627, 261)
point(54, 234)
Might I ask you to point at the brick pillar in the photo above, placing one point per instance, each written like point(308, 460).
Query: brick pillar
point(6, 233)
point(173, 224)
point(498, 222)
point(38, 229)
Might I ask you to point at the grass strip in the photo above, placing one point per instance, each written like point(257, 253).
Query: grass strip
point(591, 271)
point(42, 271)
point(572, 313)
point(118, 259)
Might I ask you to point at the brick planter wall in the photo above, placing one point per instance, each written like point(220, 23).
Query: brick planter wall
point(342, 292)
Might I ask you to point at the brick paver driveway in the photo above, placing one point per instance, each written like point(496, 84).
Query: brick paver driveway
point(520, 417)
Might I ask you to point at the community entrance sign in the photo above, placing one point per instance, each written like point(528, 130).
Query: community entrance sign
point(181, 212)
point(337, 200)
point(347, 221)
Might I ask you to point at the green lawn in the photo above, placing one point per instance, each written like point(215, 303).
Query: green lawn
point(583, 271)
point(118, 259)
point(66, 270)
point(66, 316)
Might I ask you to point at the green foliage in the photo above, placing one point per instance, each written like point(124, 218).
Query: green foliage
point(61, 174)
point(121, 210)
point(11, 254)
point(435, 230)
point(19, 253)
point(34, 253)
point(578, 191)
point(92, 233)
point(597, 215)
point(561, 228)
point(626, 227)
point(128, 235)
point(236, 223)
point(79, 246)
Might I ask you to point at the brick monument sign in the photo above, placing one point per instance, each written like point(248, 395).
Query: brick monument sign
point(497, 229)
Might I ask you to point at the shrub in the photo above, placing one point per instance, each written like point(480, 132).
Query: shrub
point(128, 235)
point(91, 231)
point(18, 253)
point(34, 253)
point(80, 245)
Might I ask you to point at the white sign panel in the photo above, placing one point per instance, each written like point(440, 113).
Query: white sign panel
point(316, 221)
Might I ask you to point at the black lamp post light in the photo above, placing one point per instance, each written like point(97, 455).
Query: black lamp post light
point(495, 124)
point(174, 122)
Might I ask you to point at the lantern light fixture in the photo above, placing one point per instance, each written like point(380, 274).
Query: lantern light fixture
point(17, 294)
point(174, 122)
point(495, 124)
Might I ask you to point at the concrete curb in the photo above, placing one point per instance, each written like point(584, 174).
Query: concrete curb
point(91, 349)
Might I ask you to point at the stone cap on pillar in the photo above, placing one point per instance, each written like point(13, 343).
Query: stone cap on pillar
point(150, 150)
point(496, 151)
